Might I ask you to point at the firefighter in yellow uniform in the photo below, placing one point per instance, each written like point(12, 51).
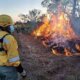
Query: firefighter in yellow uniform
point(9, 56)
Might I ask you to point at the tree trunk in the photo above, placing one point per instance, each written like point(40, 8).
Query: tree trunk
point(74, 8)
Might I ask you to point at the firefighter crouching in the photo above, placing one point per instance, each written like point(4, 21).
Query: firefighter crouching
point(9, 56)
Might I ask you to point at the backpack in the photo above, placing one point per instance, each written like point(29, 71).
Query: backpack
point(1, 43)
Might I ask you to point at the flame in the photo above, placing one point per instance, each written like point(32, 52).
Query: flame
point(67, 52)
point(57, 30)
point(77, 47)
point(43, 30)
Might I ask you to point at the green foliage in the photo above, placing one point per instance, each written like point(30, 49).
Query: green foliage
point(34, 14)
point(24, 17)
point(45, 3)
point(70, 7)
point(26, 28)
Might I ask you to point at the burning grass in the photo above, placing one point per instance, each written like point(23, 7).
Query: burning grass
point(41, 65)
point(58, 35)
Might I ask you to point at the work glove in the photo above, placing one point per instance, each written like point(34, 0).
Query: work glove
point(21, 71)
point(23, 74)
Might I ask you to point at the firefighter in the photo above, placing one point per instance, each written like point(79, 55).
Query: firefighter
point(9, 56)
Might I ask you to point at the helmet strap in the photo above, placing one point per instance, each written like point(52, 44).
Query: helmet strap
point(7, 29)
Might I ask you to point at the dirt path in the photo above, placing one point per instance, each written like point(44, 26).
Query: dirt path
point(40, 64)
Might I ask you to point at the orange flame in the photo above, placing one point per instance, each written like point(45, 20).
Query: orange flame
point(58, 25)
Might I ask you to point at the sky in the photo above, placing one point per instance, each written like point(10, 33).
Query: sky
point(16, 7)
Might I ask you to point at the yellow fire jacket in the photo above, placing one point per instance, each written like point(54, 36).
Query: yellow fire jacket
point(11, 58)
